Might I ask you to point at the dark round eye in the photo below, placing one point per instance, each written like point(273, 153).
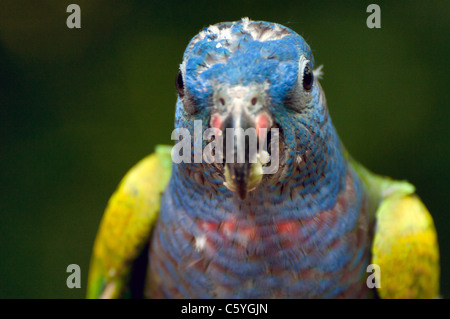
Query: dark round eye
point(308, 77)
point(189, 104)
point(179, 83)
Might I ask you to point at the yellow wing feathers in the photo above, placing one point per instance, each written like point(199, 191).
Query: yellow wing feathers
point(405, 245)
point(127, 222)
point(406, 249)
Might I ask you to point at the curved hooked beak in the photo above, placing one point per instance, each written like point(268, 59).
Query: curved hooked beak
point(238, 153)
point(243, 142)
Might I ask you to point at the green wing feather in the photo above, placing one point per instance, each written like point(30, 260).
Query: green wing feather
point(405, 245)
point(127, 223)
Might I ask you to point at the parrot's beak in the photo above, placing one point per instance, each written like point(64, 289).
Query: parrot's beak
point(243, 122)
point(237, 153)
point(243, 168)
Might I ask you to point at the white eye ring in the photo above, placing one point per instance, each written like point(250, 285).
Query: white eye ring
point(303, 64)
point(302, 97)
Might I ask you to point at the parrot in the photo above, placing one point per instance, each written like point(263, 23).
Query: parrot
point(293, 216)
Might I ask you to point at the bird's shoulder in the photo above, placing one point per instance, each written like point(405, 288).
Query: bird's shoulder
point(127, 222)
point(405, 246)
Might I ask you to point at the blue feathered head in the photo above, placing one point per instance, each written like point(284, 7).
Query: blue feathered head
point(254, 75)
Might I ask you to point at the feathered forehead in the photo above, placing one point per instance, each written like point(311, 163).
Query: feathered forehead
point(232, 31)
point(241, 52)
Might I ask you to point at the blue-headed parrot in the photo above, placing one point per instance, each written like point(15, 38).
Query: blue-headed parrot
point(318, 226)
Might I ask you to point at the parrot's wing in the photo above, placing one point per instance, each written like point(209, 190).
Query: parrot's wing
point(405, 243)
point(127, 223)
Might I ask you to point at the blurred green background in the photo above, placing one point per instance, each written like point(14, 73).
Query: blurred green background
point(79, 107)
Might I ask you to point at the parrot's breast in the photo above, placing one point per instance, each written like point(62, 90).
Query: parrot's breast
point(244, 256)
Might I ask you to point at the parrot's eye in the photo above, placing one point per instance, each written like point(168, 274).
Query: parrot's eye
point(308, 77)
point(301, 95)
point(188, 104)
point(179, 83)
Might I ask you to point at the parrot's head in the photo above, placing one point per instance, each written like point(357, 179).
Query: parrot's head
point(250, 86)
